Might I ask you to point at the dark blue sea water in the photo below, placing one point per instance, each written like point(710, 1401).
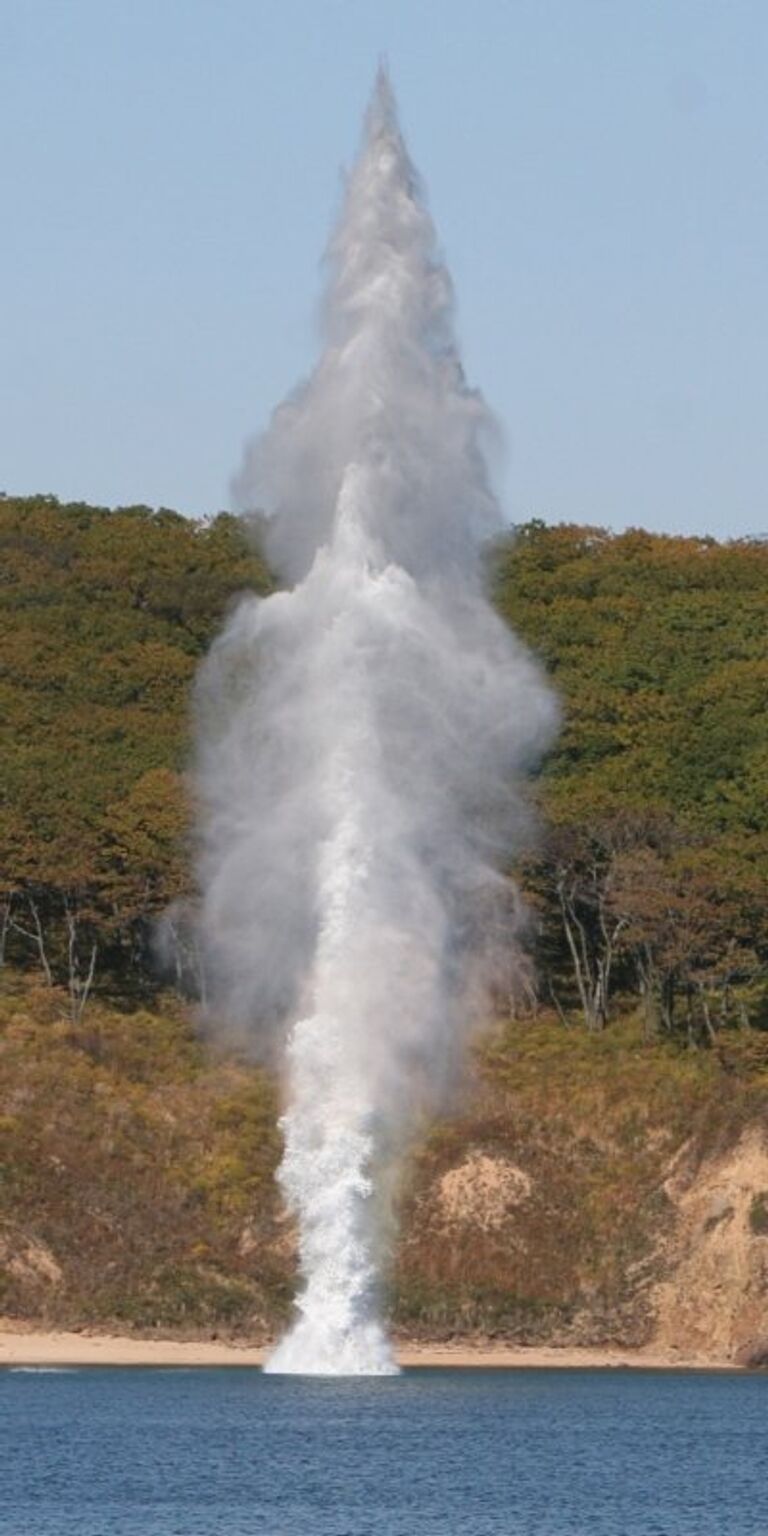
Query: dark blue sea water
point(431, 1453)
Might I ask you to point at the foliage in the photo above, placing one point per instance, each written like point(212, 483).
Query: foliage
point(136, 1171)
point(649, 876)
point(654, 803)
point(103, 619)
point(758, 1214)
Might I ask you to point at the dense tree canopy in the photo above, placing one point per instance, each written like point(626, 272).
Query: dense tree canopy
point(649, 876)
point(655, 799)
point(103, 619)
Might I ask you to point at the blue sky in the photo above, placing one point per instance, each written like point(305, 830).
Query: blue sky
point(597, 169)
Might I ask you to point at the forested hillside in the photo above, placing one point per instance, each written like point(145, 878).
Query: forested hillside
point(650, 876)
point(103, 619)
point(655, 800)
point(612, 1132)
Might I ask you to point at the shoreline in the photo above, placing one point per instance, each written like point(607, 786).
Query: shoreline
point(32, 1348)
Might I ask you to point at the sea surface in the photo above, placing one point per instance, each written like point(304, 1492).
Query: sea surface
point(430, 1453)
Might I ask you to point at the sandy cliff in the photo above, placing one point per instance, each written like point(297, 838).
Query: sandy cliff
point(589, 1192)
point(714, 1292)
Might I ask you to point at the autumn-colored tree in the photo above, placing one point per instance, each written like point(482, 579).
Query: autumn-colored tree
point(103, 619)
point(694, 924)
point(656, 795)
point(648, 878)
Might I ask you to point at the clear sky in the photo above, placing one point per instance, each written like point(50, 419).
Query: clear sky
point(598, 171)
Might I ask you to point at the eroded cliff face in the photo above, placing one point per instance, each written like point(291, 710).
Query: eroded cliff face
point(605, 1191)
point(695, 1286)
point(498, 1258)
point(713, 1296)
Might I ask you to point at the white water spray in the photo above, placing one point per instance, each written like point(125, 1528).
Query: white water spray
point(362, 739)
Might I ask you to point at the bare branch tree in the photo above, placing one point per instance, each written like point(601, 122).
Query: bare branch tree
point(79, 986)
point(35, 936)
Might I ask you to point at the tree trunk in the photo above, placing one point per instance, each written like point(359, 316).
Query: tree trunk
point(580, 963)
point(79, 988)
point(36, 937)
point(5, 923)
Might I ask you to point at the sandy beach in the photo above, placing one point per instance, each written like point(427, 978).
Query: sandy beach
point(20, 1347)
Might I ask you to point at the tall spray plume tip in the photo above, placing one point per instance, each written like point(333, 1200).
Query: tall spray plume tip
point(382, 116)
point(362, 745)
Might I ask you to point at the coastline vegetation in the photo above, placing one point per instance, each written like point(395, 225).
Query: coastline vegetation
point(136, 1167)
point(649, 880)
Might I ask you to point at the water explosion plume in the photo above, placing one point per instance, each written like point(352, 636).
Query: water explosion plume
point(362, 738)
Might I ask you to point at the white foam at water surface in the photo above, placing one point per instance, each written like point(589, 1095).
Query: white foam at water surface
point(362, 742)
point(42, 1370)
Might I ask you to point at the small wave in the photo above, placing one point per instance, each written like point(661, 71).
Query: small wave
point(42, 1370)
